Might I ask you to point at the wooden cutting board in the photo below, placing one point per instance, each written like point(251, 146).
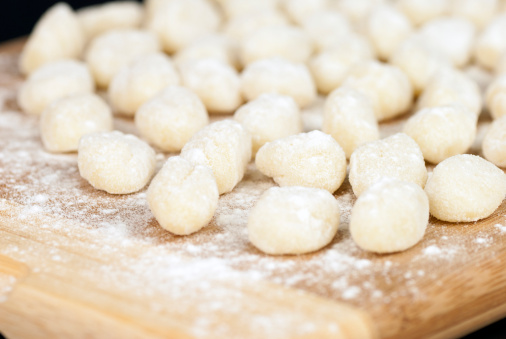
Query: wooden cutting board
point(76, 262)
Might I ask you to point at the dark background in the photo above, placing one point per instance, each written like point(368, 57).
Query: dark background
point(17, 18)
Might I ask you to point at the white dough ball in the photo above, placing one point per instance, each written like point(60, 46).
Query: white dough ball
point(479, 12)
point(238, 8)
point(269, 117)
point(65, 121)
point(57, 35)
point(388, 88)
point(326, 28)
point(140, 81)
point(52, 81)
point(311, 159)
point(442, 131)
point(496, 97)
point(465, 188)
point(494, 143)
point(238, 28)
point(299, 10)
point(387, 27)
point(215, 46)
point(421, 11)
point(356, 10)
point(293, 220)
point(99, 19)
point(449, 86)
point(171, 118)
point(491, 45)
point(397, 156)
point(183, 197)
point(180, 22)
point(115, 162)
point(390, 216)
point(224, 146)
point(110, 52)
point(280, 76)
point(216, 83)
point(288, 42)
point(348, 116)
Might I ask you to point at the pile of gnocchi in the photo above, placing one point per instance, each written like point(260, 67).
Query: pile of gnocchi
point(169, 64)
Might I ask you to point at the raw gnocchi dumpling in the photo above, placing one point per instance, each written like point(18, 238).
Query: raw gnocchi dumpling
point(277, 75)
point(319, 24)
point(494, 143)
point(442, 131)
point(269, 117)
point(311, 159)
point(115, 162)
point(171, 118)
point(421, 11)
point(348, 116)
point(397, 156)
point(183, 197)
point(65, 121)
point(238, 8)
point(293, 220)
point(465, 188)
point(238, 28)
point(491, 45)
point(140, 81)
point(110, 52)
point(57, 35)
point(99, 19)
point(388, 88)
point(479, 12)
point(52, 81)
point(224, 146)
point(298, 10)
point(496, 97)
point(390, 216)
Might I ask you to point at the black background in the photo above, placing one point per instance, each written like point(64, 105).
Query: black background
point(17, 18)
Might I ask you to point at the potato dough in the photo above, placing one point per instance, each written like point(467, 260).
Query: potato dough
point(110, 52)
point(115, 162)
point(442, 131)
point(388, 88)
point(140, 81)
point(65, 121)
point(348, 117)
point(421, 11)
point(465, 188)
point(269, 117)
point(183, 197)
point(99, 19)
point(280, 76)
point(311, 159)
point(479, 12)
point(215, 46)
point(171, 118)
point(238, 8)
point(293, 220)
point(238, 28)
point(225, 146)
point(390, 216)
point(398, 157)
point(52, 81)
point(57, 35)
point(216, 83)
point(319, 24)
point(494, 143)
point(491, 45)
point(298, 10)
point(496, 97)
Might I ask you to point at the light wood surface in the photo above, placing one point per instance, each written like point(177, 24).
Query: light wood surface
point(69, 274)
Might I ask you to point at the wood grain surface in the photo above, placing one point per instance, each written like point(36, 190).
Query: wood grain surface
point(76, 262)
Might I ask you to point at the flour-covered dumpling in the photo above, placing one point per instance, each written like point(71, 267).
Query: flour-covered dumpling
point(269, 117)
point(348, 116)
point(311, 159)
point(65, 121)
point(442, 131)
point(293, 220)
point(390, 216)
point(224, 146)
point(178, 23)
point(239, 27)
point(494, 143)
point(140, 81)
point(110, 52)
point(183, 197)
point(171, 118)
point(496, 97)
point(115, 162)
point(299, 10)
point(491, 45)
point(319, 24)
point(52, 81)
point(388, 88)
point(277, 75)
point(421, 11)
point(356, 10)
point(330, 67)
point(479, 12)
point(212, 46)
point(465, 188)
point(99, 19)
point(398, 157)
point(57, 35)
point(238, 8)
